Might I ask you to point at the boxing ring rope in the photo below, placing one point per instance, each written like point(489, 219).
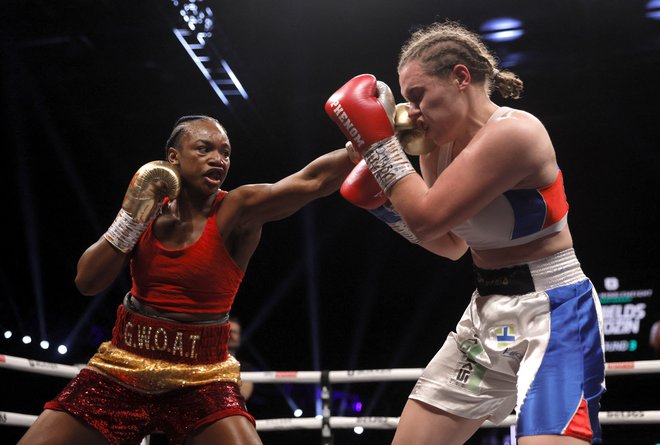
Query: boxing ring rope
point(325, 378)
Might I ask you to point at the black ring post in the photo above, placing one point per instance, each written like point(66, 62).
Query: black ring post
point(326, 431)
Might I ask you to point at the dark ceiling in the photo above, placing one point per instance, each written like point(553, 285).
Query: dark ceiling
point(90, 90)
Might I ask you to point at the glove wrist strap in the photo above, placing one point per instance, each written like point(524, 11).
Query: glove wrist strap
point(388, 162)
point(125, 231)
point(402, 229)
point(391, 217)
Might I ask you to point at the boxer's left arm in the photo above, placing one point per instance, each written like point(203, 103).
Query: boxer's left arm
point(361, 189)
point(262, 203)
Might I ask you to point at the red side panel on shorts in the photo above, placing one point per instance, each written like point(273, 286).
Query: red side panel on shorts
point(579, 426)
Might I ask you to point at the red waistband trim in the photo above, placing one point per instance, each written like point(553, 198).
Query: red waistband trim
point(169, 340)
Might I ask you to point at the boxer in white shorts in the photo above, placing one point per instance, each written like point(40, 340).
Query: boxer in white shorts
point(489, 182)
point(524, 350)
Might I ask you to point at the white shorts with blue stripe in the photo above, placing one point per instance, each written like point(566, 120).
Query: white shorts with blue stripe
point(539, 351)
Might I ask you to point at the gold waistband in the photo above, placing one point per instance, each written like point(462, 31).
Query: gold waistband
point(154, 376)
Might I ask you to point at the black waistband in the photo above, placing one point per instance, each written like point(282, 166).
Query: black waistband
point(132, 304)
point(515, 280)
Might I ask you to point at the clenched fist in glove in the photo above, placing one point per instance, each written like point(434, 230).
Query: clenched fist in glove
point(364, 109)
point(360, 188)
point(149, 185)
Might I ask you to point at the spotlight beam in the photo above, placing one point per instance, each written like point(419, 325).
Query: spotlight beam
point(366, 296)
point(24, 189)
point(311, 262)
point(264, 365)
point(85, 317)
point(272, 300)
point(73, 177)
point(423, 309)
point(9, 294)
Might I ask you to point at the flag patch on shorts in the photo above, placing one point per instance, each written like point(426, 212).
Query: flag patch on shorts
point(505, 336)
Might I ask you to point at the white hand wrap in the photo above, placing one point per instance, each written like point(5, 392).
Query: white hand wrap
point(124, 232)
point(388, 162)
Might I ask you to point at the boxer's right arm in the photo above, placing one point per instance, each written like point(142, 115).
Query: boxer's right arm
point(389, 216)
point(149, 185)
point(104, 260)
point(98, 267)
point(448, 246)
point(361, 189)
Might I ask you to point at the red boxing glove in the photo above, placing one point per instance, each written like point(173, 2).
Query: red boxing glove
point(361, 189)
point(363, 109)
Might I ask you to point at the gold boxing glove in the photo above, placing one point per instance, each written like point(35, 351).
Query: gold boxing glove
point(411, 138)
point(149, 185)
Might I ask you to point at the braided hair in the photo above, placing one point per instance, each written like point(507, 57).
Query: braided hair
point(442, 45)
point(181, 127)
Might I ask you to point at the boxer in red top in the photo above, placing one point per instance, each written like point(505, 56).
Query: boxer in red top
point(188, 244)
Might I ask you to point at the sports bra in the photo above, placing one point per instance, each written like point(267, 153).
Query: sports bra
point(517, 216)
point(200, 278)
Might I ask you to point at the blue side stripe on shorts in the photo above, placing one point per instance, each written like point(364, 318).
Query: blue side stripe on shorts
point(573, 363)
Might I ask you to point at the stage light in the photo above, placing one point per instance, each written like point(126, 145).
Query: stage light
point(196, 22)
point(44, 344)
point(62, 349)
point(357, 406)
point(298, 413)
point(182, 34)
point(653, 9)
point(27, 339)
point(234, 79)
point(8, 334)
point(502, 29)
point(195, 16)
point(611, 283)
point(358, 430)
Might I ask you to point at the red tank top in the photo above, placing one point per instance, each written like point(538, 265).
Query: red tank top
point(200, 278)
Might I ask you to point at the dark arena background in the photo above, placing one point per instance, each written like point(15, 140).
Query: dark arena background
point(89, 92)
